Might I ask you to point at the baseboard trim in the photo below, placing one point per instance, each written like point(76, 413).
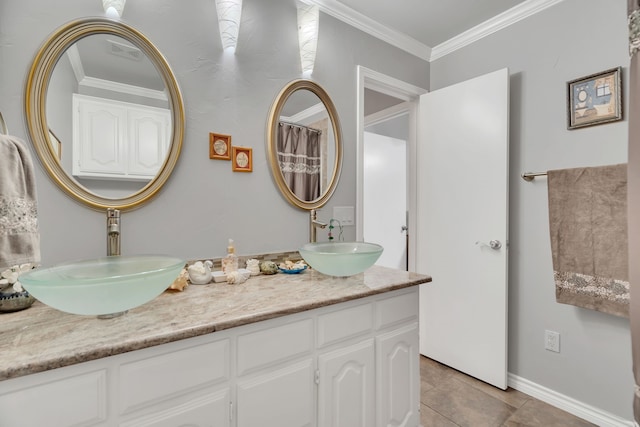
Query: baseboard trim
point(569, 404)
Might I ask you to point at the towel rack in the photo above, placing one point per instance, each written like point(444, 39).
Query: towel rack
point(529, 176)
point(3, 126)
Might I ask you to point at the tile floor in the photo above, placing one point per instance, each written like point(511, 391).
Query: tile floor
point(450, 398)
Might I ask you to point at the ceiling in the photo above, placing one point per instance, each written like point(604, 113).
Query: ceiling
point(431, 22)
point(430, 29)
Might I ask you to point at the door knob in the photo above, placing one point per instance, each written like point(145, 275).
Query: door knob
point(493, 244)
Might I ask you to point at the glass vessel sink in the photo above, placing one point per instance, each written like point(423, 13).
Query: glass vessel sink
point(340, 258)
point(104, 286)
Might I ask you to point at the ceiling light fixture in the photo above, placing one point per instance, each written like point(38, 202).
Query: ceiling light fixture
point(308, 22)
point(229, 13)
point(113, 8)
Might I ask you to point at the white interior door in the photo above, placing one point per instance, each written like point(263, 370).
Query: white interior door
point(463, 212)
point(385, 173)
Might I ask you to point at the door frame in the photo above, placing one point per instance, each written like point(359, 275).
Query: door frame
point(374, 80)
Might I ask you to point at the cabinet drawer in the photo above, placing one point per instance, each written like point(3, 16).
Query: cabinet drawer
point(211, 409)
point(341, 324)
point(154, 379)
point(397, 309)
point(276, 344)
point(72, 401)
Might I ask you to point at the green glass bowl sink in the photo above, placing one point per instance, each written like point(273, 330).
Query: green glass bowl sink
point(104, 286)
point(340, 258)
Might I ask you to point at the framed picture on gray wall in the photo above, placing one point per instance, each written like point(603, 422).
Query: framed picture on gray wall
point(594, 99)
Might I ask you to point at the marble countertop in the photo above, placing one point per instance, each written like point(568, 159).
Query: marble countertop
point(41, 338)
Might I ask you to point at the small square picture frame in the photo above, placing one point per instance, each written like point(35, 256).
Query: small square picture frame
point(594, 99)
point(242, 159)
point(219, 146)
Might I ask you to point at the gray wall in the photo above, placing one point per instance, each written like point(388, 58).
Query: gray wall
point(204, 203)
point(572, 39)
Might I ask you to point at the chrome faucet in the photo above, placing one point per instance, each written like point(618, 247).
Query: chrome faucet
point(314, 224)
point(113, 232)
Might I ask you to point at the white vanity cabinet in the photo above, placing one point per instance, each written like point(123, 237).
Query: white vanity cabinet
point(118, 140)
point(354, 363)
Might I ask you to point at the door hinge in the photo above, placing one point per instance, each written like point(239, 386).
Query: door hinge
point(230, 411)
point(317, 376)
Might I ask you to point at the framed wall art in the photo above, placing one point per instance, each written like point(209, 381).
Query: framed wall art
point(219, 146)
point(242, 159)
point(594, 99)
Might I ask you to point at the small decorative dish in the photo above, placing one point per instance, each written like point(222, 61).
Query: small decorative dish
point(15, 301)
point(292, 270)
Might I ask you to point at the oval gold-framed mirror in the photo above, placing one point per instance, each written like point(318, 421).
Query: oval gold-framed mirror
point(123, 40)
point(303, 124)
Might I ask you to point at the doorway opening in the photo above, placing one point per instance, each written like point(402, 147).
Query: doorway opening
point(385, 184)
point(386, 176)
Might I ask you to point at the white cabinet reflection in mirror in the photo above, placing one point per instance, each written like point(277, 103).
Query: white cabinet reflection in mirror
point(117, 140)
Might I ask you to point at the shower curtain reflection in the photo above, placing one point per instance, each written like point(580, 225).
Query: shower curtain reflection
point(300, 157)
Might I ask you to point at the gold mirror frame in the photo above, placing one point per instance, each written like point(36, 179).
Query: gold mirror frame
point(272, 138)
point(35, 107)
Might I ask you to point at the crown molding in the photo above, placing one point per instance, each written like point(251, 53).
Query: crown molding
point(315, 112)
point(83, 80)
point(123, 88)
point(371, 27)
point(422, 51)
point(493, 25)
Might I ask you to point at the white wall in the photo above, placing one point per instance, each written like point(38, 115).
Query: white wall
point(572, 39)
point(204, 203)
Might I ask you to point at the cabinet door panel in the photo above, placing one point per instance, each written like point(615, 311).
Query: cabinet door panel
point(148, 140)
point(98, 142)
point(399, 377)
point(284, 397)
point(347, 386)
point(73, 401)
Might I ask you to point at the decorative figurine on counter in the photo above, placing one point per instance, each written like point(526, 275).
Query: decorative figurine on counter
point(268, 267)
point(253, 265)
point(200, 272)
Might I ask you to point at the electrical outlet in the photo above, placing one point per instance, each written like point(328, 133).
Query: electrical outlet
point(344, 214)
point(552, 341)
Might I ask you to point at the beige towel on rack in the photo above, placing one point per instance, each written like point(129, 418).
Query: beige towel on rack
point(588, 226)
point(19, 238)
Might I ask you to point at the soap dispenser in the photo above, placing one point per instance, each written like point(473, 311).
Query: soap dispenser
point(230, 262)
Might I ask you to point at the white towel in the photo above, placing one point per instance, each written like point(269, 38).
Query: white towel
point(19, 238)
